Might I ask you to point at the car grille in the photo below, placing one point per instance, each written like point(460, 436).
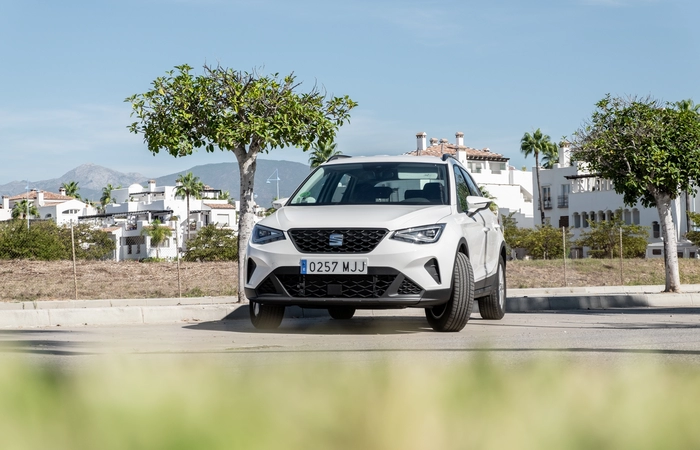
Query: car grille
point(408, 287)
point(355, 240)
point(351, 286)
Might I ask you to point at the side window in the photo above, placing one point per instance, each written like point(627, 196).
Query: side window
point(473, 188)
point(461, 189)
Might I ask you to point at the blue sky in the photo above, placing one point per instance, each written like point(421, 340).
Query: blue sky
point(492, 70)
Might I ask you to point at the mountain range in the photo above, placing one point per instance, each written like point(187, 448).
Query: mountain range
point(92, 178)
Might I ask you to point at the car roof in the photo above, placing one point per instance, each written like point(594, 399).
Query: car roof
point(386, 158)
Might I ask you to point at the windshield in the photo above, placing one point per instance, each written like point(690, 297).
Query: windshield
point(375, 183)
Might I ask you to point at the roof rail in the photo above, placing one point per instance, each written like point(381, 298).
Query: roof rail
point(338, 157)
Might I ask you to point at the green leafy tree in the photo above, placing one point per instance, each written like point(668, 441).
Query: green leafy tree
point(158, 233)
point(603, 238)
point(322, 152)
point(651, 152)
point(538, 144)
point(188, 186)
point(224, 195)
point(72, 189)
point(513, 235)
point(242, 112)
point(688, 105)
point(41, 241)
point(21, 208)
point(544, 242)
point(213, 244)
point(693, 235)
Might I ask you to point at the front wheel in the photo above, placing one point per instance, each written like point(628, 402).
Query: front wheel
point(453, 315)
point(493, 307)
point(341, 312)
point(265, 317)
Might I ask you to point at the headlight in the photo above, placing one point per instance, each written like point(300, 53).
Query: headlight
point(420, 235)
point(265, 235)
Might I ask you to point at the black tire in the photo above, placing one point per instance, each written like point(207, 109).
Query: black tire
point(341, 312)
point(454, 315)
point(493, 307)
point(265, 317)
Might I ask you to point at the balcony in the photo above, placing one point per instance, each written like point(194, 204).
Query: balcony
point(563, 201)
point(547, 203)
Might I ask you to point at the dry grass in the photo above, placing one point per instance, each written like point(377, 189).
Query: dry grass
point(41, 280)
point(596, 272)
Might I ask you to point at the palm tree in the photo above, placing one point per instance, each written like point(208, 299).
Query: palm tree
point(188, 186)
point(21, 208)
point(537, 143)
point(551, 157)
point(224, 195)
point(157, 233)
point(107, 194)
point(71, 189)
point(688, 105)
point(322, 152)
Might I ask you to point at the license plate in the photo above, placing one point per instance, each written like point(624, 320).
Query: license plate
point(335, 266)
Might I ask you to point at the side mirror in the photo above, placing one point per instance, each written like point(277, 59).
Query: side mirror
point(476, 204)
point(280, 202)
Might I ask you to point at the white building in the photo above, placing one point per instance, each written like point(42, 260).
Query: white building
point(573, 196)
point(136, 207)
point(510, 187)
point(50, 206)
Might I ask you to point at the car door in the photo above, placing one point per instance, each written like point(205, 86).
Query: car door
point(491, 227)
point(472, 225)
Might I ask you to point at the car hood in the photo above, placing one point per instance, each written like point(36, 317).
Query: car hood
point(392, 217)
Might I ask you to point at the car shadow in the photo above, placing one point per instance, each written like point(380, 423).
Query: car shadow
point(360, 325)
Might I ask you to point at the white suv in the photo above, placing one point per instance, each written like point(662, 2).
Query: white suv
point(380, 232)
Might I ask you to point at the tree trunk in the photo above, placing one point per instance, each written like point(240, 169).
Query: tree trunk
point(539, 188)
point(668, 230)
point(687, 208)
point(246, 165)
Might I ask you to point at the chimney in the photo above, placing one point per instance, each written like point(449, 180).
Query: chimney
point(444, 141)
point(62, 191)
point(151, 185)
point(5, 202)
point(459, 139)
point(433, 141)
point(564, 153)
point(420, 138)
point(40, 198)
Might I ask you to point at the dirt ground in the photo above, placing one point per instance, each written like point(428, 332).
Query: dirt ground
point(41, 280)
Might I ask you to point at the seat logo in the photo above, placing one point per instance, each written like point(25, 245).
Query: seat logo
point(335, 240)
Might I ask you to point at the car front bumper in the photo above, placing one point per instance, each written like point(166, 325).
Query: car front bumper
point(399, 275)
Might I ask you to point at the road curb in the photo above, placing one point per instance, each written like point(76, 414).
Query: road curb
point(71, 313)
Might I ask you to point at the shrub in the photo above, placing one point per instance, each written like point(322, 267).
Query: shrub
point(213, 244)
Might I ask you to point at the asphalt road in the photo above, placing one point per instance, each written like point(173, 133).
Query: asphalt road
point(598, 336)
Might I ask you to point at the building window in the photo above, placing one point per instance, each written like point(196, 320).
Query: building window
point(635, 216)
point(656, 252)
point(577, 220)
point(655, 229)
point(547, 197)
point(564, 221)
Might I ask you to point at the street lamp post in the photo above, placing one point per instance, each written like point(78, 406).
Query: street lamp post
point(277, 179)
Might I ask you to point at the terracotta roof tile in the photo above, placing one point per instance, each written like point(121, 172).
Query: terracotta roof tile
point(451, 149)
point(47, 196)
point(220, 205)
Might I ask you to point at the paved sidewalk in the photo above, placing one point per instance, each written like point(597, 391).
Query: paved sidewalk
point(202, 309)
